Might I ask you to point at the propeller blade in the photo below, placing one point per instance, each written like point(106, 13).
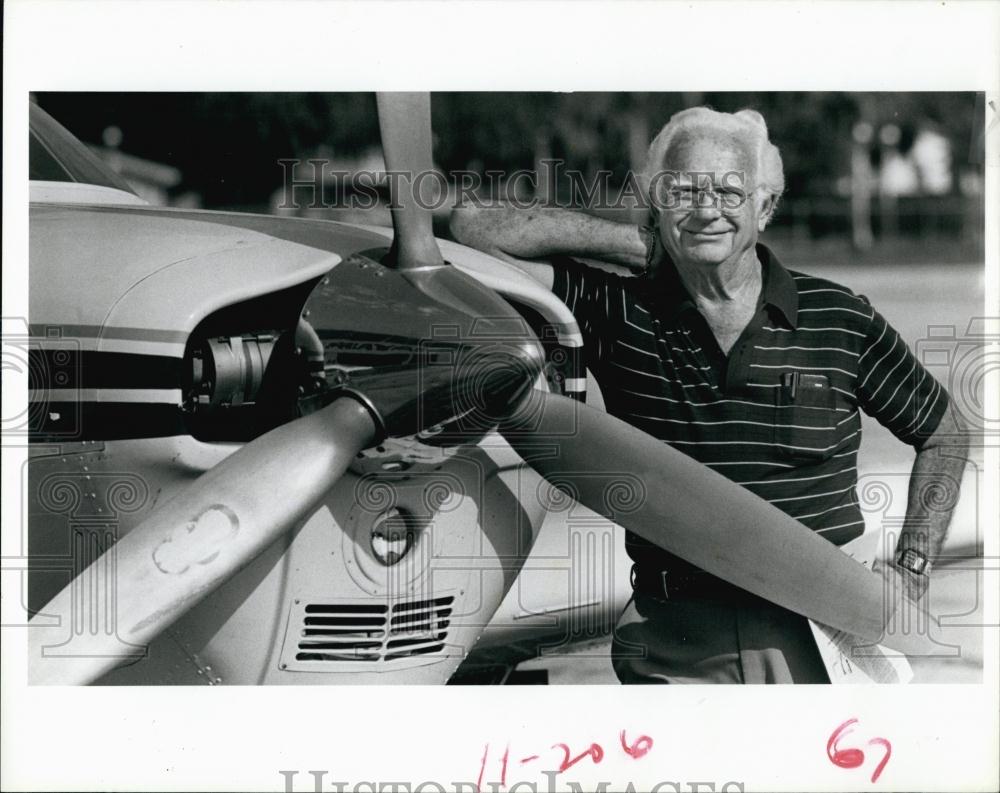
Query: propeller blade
point(197, 540)
point(405, 123)
point(686, 508)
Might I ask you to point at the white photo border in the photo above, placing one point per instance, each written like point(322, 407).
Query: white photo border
point(943, 737)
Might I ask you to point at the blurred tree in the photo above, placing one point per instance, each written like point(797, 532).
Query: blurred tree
point(227, 144)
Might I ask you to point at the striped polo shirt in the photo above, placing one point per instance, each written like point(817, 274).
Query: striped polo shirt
point(780, 414)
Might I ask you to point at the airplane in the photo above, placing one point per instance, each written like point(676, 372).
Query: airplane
point(298, 452)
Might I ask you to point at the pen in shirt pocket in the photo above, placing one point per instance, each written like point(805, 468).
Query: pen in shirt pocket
point(795, 383)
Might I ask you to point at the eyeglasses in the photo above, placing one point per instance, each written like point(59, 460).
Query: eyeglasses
point(685, 198)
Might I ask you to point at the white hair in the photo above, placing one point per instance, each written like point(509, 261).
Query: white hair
point(746, 125)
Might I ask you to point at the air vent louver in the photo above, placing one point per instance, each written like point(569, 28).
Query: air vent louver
point(367, 634)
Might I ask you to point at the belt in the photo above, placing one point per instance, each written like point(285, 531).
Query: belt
point(686, 585)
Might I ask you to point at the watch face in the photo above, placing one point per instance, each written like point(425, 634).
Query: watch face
point(912, 560)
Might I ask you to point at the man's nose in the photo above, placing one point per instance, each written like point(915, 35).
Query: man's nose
point(705, 206)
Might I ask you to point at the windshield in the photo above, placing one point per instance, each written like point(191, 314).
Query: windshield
point(54, 155)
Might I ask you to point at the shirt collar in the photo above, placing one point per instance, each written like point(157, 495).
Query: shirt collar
point(779, 288)
point(777, 291)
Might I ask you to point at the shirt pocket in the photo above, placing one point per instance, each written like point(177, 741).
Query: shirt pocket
point(805, 421)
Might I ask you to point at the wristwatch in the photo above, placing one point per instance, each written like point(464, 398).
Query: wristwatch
point(912, 560)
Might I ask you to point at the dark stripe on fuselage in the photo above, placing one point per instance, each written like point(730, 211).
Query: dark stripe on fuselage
point(64, 422)
point(88, 369)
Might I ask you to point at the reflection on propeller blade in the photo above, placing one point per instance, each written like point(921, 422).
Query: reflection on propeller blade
point(679, 504)
point(197, 540)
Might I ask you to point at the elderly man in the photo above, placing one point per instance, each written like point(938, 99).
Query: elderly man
point(756, 371)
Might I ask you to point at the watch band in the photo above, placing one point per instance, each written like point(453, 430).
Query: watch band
point(911, 559)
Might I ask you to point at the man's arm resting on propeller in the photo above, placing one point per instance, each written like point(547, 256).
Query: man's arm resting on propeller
point(520, 235)
point(934, 486)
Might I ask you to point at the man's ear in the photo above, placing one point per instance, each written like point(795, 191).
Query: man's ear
point(766, 212)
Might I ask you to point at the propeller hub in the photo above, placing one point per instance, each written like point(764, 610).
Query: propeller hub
point(427, 351)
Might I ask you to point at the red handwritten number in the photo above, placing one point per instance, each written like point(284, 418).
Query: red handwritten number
point(595, 752)
point(503, 768)
point(888, 753)
point(852, 758)
point(482, 766)
point(845, 758)
point(636, 750)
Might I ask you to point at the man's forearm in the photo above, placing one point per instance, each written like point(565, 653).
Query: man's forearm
point(934, 488)
point(540, 232)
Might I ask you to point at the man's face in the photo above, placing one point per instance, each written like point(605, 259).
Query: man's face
point(710, 211)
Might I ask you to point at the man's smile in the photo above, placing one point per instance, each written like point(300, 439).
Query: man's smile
point(704, 234)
